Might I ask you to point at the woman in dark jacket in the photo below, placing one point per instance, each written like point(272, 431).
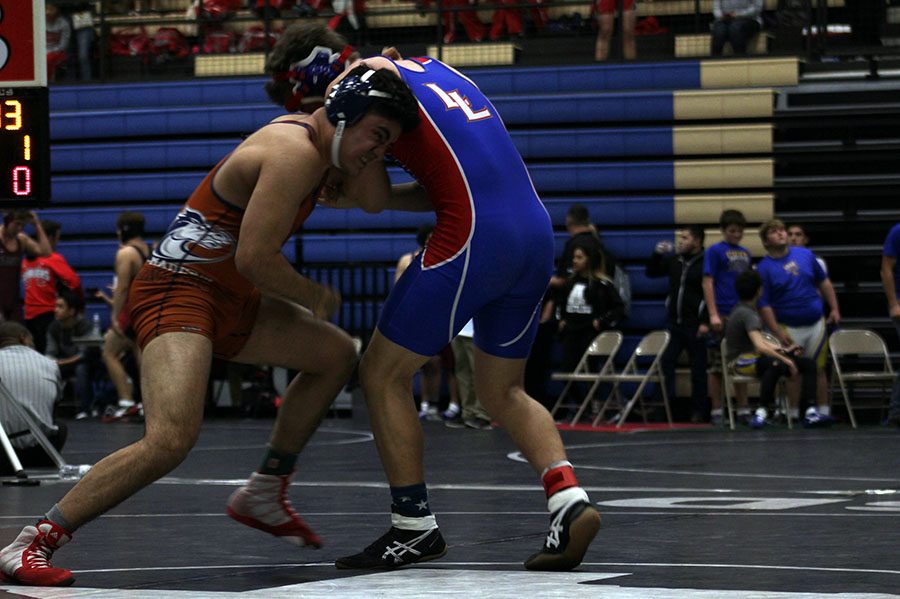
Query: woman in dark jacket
point(587, 305)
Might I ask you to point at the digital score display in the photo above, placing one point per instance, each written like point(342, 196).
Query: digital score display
point(24, 147)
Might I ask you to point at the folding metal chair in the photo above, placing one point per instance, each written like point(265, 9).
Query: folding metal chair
point(729, 378)
point(652, 347)
point(34, 427)
point(605, 345)
point(860, 342)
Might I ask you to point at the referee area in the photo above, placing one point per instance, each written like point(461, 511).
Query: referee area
point(694, 513)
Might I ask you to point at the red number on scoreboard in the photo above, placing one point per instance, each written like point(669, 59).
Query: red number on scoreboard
point(21, 180)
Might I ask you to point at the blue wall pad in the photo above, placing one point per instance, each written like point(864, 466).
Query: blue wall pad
point(204, 153)
point(671, 75)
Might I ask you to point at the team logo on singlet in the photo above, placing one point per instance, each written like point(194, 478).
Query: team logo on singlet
point(192, 240)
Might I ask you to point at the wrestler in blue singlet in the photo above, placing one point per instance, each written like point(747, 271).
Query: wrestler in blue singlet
point(491, 254)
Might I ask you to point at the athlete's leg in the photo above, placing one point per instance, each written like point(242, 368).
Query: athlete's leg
point(288, 335)
point(499, 386)
point(174, 379)
point(280, 335)
point(114, 345)
point(386, 372)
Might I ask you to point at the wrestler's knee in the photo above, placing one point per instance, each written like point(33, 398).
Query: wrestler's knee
point(171, 445)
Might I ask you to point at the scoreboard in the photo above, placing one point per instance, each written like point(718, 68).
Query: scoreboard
point(24, 147)
point(24, 108)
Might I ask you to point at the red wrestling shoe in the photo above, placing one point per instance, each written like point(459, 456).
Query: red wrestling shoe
point(27, 559)
point(262, 503)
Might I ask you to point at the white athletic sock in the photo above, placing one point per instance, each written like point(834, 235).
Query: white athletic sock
point(563, 498)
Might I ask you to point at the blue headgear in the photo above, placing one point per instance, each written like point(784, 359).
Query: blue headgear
point(348, 101)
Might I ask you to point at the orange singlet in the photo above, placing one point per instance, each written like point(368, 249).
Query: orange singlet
point(191, 283)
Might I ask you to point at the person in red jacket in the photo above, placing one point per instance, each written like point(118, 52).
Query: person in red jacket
point(42, 277)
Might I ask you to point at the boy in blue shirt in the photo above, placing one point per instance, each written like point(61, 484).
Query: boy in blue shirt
point(722, 264)
point(791, 306)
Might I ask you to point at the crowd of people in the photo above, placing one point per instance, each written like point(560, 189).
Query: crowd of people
point(52, 311)
point(218, 285)
point(72, 31)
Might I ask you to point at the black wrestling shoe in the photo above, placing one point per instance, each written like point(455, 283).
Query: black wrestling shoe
point(398, 547)
point(572, 528)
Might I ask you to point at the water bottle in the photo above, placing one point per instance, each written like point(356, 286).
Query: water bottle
point(96, 321)
point(73, 471)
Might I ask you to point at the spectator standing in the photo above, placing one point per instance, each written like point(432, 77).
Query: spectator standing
point(83, 26)
point(34, 381)
point(581, 232)
point(588, 304)
point(467, 16)
point(890, 279)
point(120, 338)
point(791, 305)
point(540, 360)
point(736, 21)
point(42, 276)
point(722, 263)
point(606, 15)
point(685, 310)
point(508, 20)
point(797, 237)
point(430, 379)
point(750, 354)
point(74, 360)
point(473, 413)
point(13, 245)
point(59, 32)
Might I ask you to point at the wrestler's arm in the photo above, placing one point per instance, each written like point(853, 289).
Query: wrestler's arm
point(285, 178)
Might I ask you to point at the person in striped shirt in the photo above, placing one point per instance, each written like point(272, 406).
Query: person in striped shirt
point(33, 380)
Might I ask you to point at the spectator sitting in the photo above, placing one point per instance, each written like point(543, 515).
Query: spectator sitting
point(58, 34)
point(722, 263)
point(750, 354)
point(41, 277)
point(73, 359)
point(686, 312)
point(791, 306)
point(736, 21)
point(34, 381)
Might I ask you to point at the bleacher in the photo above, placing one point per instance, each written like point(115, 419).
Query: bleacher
point(646, 147)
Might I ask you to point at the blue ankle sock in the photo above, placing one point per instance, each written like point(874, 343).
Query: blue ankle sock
point(277, 462)
point(411, 501)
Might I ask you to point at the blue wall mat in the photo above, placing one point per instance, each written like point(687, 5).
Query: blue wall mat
point(533, 80)
point(667, 75)
point(622, 210)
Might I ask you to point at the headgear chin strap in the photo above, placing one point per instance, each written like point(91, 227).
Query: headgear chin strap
point(312, 75)
point(336, 143)
point(348, 101)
